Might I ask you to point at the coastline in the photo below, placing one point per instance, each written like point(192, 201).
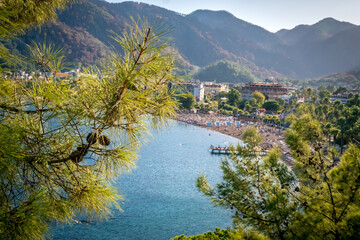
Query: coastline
point(271, 136)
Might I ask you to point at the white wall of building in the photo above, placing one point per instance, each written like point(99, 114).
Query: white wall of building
point(199, 92)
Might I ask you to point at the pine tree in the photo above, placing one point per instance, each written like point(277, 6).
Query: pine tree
point(318, 199)
point(64, 141)
point(255, 189)
point(328, 186)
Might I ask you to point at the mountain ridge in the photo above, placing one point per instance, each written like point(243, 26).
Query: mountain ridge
point(321, 30)
point(204, 37)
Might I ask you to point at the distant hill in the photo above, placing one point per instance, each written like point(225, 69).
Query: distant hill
point(225, 71)
point(350, 79)
point(205, 37)
point(244, 34)
point(321, 30)
point(338, 53)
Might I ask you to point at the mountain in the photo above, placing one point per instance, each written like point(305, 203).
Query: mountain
point(205, 37)
point(82, 30)
point(244, 40)
point(328, 46)
point(349, 79)
point(337, 53)
point(225, 22)
point(321, 30)
point(225, 71)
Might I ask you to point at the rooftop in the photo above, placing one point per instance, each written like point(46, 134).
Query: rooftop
point(265, 84)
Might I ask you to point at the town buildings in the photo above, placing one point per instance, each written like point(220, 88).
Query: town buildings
point(341, 97)
point(195, 88)
point(345, 96)
point(22, 75)
point(271, 90)
point(215, 88)
point(199, 89)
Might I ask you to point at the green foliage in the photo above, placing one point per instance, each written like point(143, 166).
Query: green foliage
point(251, 137)
point(326, 204)
point(220, 234)
point(317, 200)
point(350, 80)
point(271, 119)
point(225, 71)
point(234, 97)
point(214, 105)
point(259, 98)
point(18, 15)
point(187, 101)
point(328, 198)
point(63, 142)
point(355, 100)
point(46, 57)
point(342, 120)
point(271, 106)
point(324, 94)
point(340, 90)
point(254, 189)
point(228, 107)
point(306, 108)
point(281, 102)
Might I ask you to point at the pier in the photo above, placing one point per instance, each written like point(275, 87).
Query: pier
point(226, 150)
point(220, 150)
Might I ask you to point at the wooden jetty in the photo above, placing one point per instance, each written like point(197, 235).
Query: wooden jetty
point(226, 150)
point(220, 150)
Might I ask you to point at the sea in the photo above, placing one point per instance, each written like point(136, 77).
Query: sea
point(161, 200)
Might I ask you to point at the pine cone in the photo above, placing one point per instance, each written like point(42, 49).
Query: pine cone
point(92, 137)
point(104, 140)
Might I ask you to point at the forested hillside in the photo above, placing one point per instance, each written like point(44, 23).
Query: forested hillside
point(204, 37)
point(225, 71)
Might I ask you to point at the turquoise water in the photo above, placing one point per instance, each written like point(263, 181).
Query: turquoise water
point(161, 200)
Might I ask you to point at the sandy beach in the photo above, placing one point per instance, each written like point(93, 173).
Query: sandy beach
point(235, 127)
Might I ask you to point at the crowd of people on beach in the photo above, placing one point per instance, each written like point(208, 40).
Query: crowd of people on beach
point(235, 127)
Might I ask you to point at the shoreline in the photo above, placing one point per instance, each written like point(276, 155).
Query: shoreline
point(271, 136)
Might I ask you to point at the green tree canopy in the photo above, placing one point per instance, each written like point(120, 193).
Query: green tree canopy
point(187, 100)
point(225, 71)
point(234, 97)
point(318, 199)
point(281, 102)
point(254, 189)
point(221, 234)
point(271, 106)
point(259, 97)
point(341, 90)
point(18, 15)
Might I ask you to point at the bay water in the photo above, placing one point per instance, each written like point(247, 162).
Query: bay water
point(161, 200)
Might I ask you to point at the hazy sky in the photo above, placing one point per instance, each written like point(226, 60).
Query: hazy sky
point(272, 15)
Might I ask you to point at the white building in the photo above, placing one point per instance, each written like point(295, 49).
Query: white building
point(196, 88)
point(199, 92)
